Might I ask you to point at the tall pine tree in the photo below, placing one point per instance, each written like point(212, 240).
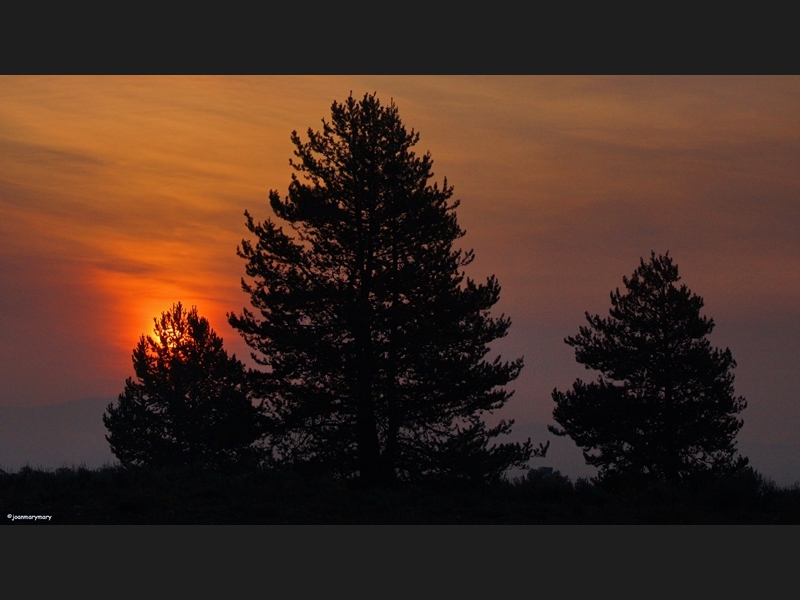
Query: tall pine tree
point(373, 339)
point(663, 406)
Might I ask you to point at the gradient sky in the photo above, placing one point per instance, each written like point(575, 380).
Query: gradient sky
point(122, 195)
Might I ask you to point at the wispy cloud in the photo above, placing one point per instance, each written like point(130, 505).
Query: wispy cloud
point(121, 195)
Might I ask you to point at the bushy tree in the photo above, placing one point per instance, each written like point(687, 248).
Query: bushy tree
point(663, 406)
point(373, 339)
point(190, 405)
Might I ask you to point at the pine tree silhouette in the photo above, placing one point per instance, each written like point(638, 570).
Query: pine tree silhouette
point(373, 339)
point(191, 404)
point(663, 406)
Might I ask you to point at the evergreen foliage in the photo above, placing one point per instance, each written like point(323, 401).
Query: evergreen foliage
point(373, 339)
point(663, 406)
point(191, 404)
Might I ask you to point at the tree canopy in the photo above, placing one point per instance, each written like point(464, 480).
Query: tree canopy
point(663, 406)
point(190, 405)
point(373, 340)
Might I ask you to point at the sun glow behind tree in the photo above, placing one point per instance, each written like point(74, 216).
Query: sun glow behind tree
point(122, 195)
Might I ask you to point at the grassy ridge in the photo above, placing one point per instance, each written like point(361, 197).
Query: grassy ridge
point(112, 495)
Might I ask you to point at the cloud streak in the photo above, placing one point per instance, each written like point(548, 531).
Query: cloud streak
point(122, 195)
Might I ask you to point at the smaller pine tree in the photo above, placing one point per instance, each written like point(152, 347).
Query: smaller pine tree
point(191, 405)
point(663, 406)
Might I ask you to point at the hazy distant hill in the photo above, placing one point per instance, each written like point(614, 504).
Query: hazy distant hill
point(781, 462)
point(563, 455)
point(68, 434)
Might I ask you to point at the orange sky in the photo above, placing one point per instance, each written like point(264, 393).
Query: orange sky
point(122, 195)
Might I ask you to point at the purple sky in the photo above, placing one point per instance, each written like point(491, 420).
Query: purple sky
point(122, 195)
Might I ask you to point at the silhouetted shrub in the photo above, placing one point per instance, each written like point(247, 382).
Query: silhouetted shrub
point(545, 484)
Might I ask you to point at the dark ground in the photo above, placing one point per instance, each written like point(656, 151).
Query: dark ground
point(112, 495)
